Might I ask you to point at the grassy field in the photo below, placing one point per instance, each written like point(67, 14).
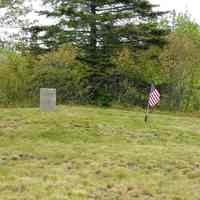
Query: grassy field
point(86, 153)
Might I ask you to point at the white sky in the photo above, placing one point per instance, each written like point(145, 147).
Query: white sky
point(192, 6)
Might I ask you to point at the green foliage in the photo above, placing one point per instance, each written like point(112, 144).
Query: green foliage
point(4, 3)
point(102, 61)
point(99, 28)
point(59, 69)
point(14, 77)
point(181, 64)
point(185, 25)
point(21, 77)
point(128, 81)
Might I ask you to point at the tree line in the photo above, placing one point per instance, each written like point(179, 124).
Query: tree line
point(104, 52)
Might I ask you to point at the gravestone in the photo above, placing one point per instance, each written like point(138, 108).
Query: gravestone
point(48, 100)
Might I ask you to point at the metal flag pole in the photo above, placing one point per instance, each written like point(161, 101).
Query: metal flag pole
point(154, 98)
point(146, 114)
point(147, 108)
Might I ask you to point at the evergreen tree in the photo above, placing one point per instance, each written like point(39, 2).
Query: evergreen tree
point(99, 27)
point(4, 3)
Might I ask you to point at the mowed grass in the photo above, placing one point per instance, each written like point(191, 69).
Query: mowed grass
point(88, 153)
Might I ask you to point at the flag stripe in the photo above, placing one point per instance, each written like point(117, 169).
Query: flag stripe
point(156, 94)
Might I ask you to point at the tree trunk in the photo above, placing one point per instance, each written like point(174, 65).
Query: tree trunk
point(93, 33)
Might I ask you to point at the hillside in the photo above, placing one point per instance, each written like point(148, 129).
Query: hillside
point(87, 153)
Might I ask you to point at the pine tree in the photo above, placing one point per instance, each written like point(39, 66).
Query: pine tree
point(99, 27)
point(4, 3)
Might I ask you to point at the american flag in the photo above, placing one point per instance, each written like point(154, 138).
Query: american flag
point(154, 97)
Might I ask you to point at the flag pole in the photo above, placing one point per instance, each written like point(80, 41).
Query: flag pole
point(146, 114)
point(153, 100)
point(147, 108)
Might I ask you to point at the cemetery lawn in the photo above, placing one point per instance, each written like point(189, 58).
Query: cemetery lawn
point(89, 153)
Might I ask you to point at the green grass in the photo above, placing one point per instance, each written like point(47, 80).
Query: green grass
point(88, 153)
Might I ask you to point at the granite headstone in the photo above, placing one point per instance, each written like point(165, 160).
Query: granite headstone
point(48, 99)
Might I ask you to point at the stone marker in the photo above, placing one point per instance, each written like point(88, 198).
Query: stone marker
point(48, 100)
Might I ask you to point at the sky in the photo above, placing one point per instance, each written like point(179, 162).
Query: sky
point(192, 6)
